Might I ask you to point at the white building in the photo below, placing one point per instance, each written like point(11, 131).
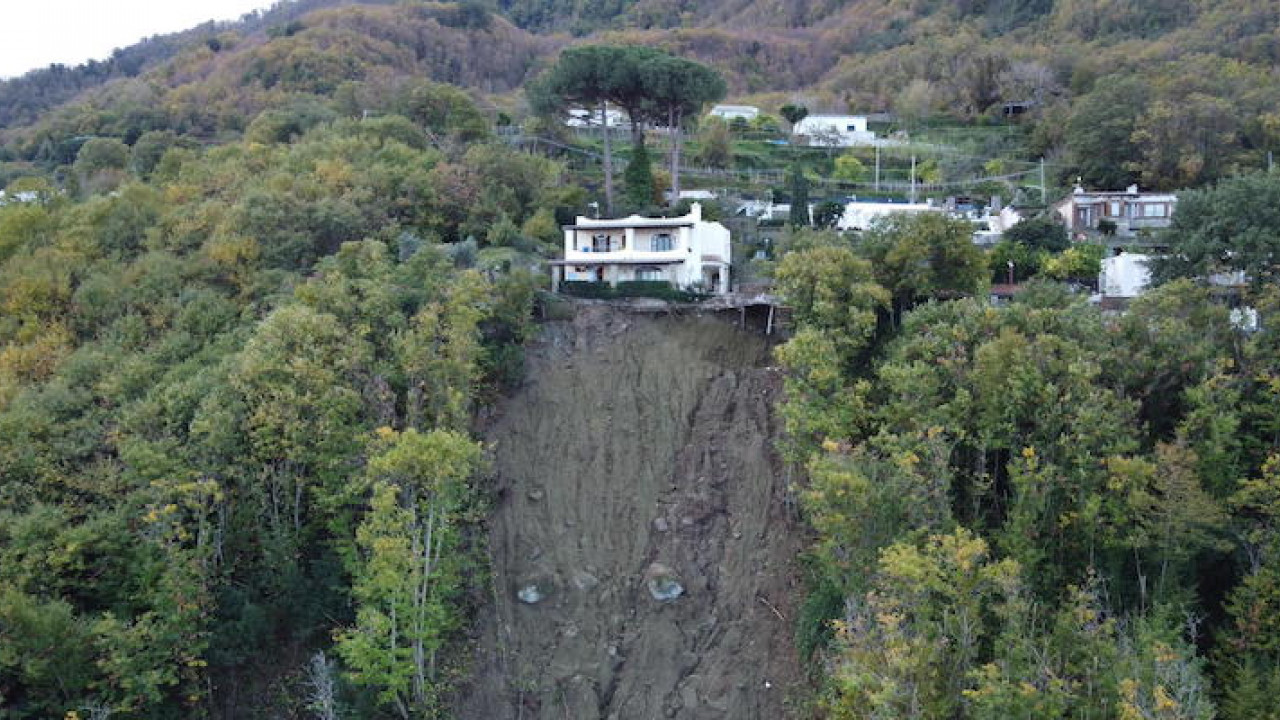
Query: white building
point(613, 117)
point(859, 215)
point(1124, 276)
point(730, 112)
point(698, 195)
point(835, 130)
point(993, 225)
point(1003, 219)
point(685, 251)
point(1128, 211)
point(21, 196)
point(764, 210)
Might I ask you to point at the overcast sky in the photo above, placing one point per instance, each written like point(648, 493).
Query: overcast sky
point(36, 33)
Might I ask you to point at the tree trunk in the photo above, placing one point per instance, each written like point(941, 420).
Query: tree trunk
point(673, 126)
point(608, 161)
point(637, 130)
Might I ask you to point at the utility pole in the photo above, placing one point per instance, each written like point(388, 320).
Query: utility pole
point(608, 160)
point(1044, 192)
point(913, 179)
point(877, 168)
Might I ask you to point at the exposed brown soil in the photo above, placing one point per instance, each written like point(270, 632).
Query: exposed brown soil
point(640, 451)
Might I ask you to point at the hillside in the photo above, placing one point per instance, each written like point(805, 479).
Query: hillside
point(353, 57)
point(1168, 95)
point(291, 427)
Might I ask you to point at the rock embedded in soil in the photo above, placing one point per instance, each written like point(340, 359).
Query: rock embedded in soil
point(662, 583)
point(531, 594)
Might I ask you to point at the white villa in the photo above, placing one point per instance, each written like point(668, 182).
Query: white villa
point(835, 130)
point(729, 112)
point(860, 215)
point(684, 251)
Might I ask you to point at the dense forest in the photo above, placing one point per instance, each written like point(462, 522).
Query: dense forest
point(227, 377)
point(257, 280)
point(1036, 510)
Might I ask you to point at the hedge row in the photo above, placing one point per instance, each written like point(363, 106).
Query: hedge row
point(660, 289)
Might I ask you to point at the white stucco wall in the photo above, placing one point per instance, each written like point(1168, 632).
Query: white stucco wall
point(1125, 275)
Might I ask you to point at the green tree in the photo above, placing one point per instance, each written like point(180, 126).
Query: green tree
point(827, 214)
point(1014, 259)
point(443, 111)
point(715, 144)
point(849, 168)
point(1233, 226)
point(1042, 234)
point(1099, 133)
point(411, 572)
point(580, 78)
point(148, 149)
point(836, 303)
point(830, 288)
point(908, 646)
point(441, 353)
point(677, 89)
point(100, 165)
point(1186, 142)
point(638, 178)
point(798, 188)
point(1079, 262)
point(793, 113)
point(925, 256)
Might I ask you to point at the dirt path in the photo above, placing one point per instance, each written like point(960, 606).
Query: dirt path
point(637, 461)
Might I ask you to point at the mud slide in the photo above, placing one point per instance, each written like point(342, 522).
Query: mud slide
point(643, 553)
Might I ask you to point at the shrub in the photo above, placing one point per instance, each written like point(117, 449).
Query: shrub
point(660, 289)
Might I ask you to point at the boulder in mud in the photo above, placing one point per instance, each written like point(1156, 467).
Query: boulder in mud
point(662, 583)
point(534, 591)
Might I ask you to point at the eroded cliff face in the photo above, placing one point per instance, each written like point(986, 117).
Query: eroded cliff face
point(643, 550)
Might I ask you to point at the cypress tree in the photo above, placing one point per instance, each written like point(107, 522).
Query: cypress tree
point(798, 184)
point(639, 178)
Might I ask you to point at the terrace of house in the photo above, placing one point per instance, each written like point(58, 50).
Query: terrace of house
point(634, 243)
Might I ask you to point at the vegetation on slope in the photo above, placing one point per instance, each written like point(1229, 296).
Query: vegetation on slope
point(252, 289)
point(1169, 95)
point(1039, 510)
point(231, 381)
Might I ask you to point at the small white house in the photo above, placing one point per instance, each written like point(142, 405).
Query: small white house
point(685, 251)
point(835, 130)
point(698, 195)
point(21, 196)
point(993, 225)
point(1000, 221)
point(764, 210)
point(730, 112)
point(859, 215)
point(1124, 276)
point(581, 118)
